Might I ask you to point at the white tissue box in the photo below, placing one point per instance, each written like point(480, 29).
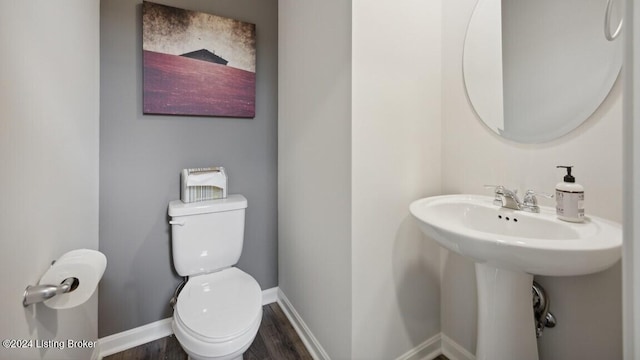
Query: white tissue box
point(201, 184)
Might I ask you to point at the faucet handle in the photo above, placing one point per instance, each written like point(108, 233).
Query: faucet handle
point(531, 194)
point(530, 201)
point(498, 191)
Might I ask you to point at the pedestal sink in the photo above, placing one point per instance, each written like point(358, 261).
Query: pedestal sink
point(509, 247)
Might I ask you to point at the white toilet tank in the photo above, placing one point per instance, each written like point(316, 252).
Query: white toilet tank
point(207, 236)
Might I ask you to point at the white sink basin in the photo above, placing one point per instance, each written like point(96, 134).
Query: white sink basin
point(509, 247)
point(538, 244)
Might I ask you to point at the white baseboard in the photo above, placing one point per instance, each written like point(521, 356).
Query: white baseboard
point(116, 343)
point(269, 296)
point(95, 355)
point(428, 350)
point(307, 337)
point(453, 350)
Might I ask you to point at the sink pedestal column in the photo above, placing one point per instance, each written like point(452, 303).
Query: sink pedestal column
point(506, 326)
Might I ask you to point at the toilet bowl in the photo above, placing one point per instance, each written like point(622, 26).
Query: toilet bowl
point(217, 315)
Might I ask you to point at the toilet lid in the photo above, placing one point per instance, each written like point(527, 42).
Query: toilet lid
point(220, 305)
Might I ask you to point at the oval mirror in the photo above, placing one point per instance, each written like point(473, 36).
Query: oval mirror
point(536, 69)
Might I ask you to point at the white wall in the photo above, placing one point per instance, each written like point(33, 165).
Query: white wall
point(49, 153)
point(395, 160)
point(359, 139)
point(587, 307)
point(631, 247)
point(314, 166)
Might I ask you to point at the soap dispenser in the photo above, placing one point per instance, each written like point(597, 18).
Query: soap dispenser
point(569, 198)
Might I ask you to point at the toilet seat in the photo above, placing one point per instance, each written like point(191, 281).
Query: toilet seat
point(220, 306)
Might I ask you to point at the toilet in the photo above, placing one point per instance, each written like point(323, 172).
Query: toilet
point(219, 309)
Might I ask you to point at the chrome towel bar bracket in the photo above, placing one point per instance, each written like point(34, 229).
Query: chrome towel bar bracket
point(40, 293)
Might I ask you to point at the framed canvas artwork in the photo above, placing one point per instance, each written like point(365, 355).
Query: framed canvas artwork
point(197, 63)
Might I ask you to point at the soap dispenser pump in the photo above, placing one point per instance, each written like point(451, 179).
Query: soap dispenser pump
point(569, 198)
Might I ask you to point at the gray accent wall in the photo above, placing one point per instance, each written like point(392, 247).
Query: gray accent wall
point(141, 157)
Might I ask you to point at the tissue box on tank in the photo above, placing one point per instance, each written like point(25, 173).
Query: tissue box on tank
point(201, 184)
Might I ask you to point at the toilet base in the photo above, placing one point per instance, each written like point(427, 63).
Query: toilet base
point(230, 350)
point(237, 355)
point(235, 358)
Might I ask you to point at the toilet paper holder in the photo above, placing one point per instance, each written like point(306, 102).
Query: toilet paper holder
point(70, 280)
point(40, 293)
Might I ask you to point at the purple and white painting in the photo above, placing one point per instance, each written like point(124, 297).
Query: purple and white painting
point(197, 63)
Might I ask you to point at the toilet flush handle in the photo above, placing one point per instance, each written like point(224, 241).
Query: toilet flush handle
point(174, 222)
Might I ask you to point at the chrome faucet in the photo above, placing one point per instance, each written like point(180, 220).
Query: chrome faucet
point(509, 199)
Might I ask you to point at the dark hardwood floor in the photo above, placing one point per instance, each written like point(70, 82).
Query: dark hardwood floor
point(276, 340)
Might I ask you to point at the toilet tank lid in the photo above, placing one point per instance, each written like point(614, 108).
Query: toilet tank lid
point(231, 202)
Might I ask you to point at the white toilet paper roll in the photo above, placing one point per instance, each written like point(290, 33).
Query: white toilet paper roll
point(85, 265)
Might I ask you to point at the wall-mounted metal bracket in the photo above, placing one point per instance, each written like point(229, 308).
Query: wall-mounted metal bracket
point(40, 293)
